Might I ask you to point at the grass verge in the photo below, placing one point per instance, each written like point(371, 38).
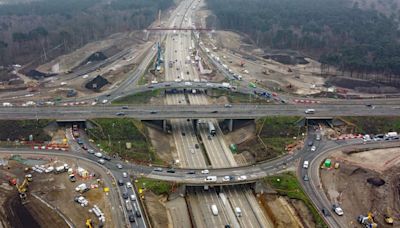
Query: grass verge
point(156, 186)
point(289, 186)
point(234, 97)
point(113, 134)
point(279, 131)
point(374, 124)
point(139, 98)
point(11, 130)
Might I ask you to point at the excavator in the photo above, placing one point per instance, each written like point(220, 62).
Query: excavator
point(22, 190)
point(89, 223)
point(367, 221)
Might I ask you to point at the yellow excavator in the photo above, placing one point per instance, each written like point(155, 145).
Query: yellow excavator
point(89, 223)
point(22, 188)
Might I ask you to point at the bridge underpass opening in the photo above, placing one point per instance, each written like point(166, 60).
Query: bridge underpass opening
point(82, 123)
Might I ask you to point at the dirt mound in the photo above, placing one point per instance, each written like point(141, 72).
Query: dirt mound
point(365, 86)
point(376, 181)
point(97, 83)
point(35, 74)
point(97, 56)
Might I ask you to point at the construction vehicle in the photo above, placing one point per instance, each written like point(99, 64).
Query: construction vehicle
point(241, 64)
point(22, 189)
point(29, 177)
point(388, 216)
point(367, 221)
point(89, 223)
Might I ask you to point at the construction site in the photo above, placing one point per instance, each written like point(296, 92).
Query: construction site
point(365, 184)
point(70, 193)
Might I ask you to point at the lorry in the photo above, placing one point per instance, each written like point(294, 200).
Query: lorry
point(211, 129)
point(214, 209)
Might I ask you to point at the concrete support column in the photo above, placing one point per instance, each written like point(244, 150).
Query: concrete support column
point(164, 125)
point(230, 125)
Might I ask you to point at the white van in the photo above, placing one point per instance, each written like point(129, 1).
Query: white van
point(305, 164)
point(214, 209)
point(211, 179)
point(238, 212)
point(310, 111)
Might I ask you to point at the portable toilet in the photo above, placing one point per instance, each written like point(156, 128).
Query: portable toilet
point(233, 148)
point(328, 163)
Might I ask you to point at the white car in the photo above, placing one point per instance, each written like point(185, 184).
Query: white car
point(104, 101)
point(99, 155)
point(242, 178)
point(124, 174)
point(119, 166)
point(313, 148)
point(128, 184)
point(226, 178)
point(205, 171)
point(133, 197)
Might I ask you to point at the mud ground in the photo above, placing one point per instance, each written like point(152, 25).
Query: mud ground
point(348, 185)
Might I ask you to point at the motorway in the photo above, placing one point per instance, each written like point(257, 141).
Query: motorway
point(193, 111)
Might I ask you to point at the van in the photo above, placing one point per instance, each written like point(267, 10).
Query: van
point(309, 111)
point(305, 164)
point(211, 179)
point(238, 212)
point(214, 209)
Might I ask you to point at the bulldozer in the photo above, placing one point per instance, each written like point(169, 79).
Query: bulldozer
point(388, 216)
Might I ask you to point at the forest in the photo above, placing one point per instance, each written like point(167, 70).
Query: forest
point(352, 36)
point(60, 26)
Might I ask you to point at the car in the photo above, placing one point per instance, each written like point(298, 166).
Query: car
point(242, 177)
point(191, 172)
point(104, 101)
point(305, 178)
point(183, 133)
point(337, 209)
point(310, 143)
point(318, 137)
point(131, 218)
point(196, 146)
point(153, 112)
point(119, 166)
point(325, 212)
point(205, 171)
point(84, 147)
point(101, 161)
point(125, 175)
point(125, 195)
point(106, 157)
point(90, 151)
point(120, 114)
point(305, 164)
point(170, 171)
point(214, 111)
point(226, 178)
point(133, 197)
point(313, 148)
point(228, 106)
point(124, 107)
point(98, 154)
point(120, 182)
point(309, 111)
point(192, 150)
point(158, 169)
point(128, 184)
